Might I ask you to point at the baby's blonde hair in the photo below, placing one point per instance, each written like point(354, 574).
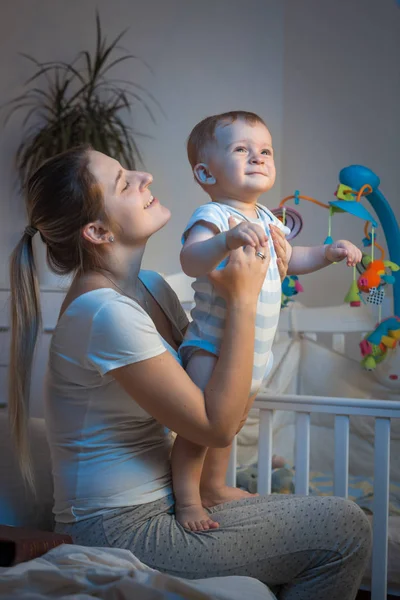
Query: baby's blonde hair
point(204, 132)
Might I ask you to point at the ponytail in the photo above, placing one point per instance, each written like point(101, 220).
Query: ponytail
point(25, 325)
point(62, 196)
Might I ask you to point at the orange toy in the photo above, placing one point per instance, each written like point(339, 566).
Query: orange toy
point(371, 278)
point(375, 274)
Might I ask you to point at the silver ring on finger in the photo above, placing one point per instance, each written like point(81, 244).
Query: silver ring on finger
point(261, 255)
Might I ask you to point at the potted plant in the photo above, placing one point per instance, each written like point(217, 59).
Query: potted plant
point(80, 103)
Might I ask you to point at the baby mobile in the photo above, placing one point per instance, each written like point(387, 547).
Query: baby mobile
point(373, 274)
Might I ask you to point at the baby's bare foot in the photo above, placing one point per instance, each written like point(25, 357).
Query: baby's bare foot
point(194, 518)
point(211, 497)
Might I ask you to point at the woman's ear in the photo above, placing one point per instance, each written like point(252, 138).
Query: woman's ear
point(96, 233)
point(203, 174)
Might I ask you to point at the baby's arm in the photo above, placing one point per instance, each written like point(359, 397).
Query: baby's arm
point(205, 246)
point(203, 249)
point(306, 259)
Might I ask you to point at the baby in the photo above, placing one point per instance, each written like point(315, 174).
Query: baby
point(232, 159)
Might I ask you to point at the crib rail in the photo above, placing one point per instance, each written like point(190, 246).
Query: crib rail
point(342, 408)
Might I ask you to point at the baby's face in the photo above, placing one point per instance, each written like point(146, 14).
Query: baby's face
point(242, 160)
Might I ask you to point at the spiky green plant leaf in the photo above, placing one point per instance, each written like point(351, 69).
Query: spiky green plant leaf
point(79, 104)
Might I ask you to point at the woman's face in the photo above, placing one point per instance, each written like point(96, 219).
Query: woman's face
point(128, 201)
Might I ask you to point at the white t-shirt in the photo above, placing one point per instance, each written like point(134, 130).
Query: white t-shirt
point(106, 451)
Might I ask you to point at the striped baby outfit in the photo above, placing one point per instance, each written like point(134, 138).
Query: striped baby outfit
point(208, 315)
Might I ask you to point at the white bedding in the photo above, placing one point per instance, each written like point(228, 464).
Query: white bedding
point(80, 573)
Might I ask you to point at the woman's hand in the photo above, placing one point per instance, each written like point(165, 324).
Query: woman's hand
point(280, 245)
point(243, 276)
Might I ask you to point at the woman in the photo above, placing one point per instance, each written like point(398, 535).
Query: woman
point(115, 385)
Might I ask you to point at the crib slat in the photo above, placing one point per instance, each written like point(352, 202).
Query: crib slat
point(231, 472)
point(338, 342)
point(380, 509)
point(341, 473)
point(265, 452)
point(302, 456)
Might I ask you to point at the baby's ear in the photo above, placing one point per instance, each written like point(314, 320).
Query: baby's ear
point(203, 174)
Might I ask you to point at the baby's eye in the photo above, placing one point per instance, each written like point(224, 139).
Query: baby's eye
point(266, 151)
point(240, 149)
point(127, 184)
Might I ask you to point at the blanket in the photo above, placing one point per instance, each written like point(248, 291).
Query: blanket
point(72, 572)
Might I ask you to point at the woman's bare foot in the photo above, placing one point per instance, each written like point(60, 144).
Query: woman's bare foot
point(194, 518)
point(211, 497)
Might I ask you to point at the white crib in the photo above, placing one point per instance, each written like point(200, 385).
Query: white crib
point(339, 322)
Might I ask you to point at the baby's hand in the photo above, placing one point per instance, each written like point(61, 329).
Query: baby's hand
point(245, 234)
point(343, 250)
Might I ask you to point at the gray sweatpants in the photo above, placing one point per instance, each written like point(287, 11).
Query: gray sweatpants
point(303, 548)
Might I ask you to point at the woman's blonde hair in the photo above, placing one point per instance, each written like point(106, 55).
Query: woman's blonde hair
point(62, 196)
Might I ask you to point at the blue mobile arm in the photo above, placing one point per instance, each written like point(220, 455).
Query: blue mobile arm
point(355, 177)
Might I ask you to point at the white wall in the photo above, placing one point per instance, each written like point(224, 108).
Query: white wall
point(206, 58)
point(341, 107)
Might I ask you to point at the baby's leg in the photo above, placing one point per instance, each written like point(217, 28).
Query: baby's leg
point(187, 458)
point(213, 488)
point(186, 463)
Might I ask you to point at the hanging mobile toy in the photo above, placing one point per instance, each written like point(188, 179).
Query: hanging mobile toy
point(349, 201)
point(375, 274)
point(380, 348)
point(290, 217)
point(291, 286)
point(376, 344)
point(353, 296)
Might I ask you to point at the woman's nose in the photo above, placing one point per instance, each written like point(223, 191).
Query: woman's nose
point(145, 179)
